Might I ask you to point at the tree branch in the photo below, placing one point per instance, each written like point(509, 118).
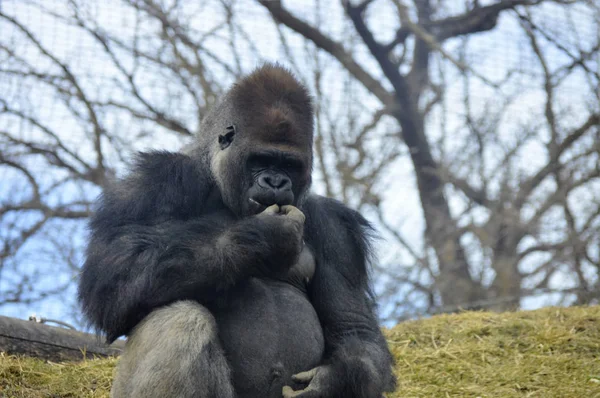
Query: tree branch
point(281, 15)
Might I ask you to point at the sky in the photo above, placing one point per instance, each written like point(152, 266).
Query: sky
point(496, 53)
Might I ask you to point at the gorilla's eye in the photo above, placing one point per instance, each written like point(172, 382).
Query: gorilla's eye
point(226, 139)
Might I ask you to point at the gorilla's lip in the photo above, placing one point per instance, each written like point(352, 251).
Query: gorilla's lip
point(257, 206)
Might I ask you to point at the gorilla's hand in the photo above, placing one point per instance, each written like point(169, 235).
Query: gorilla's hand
point(354, 377)
point(286, 224)
point(290, 211)
point(286, 219)
point(318, 380)
point(293, 213)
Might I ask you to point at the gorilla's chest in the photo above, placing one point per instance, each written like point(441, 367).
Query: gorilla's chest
point(269, 330)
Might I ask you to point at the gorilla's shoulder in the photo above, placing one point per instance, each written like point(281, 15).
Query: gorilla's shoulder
point(159, 185)
point(323, 209)
point(340, 236)
point(331, 219)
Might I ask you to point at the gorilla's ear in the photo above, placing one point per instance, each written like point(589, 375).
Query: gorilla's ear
point(226, 139)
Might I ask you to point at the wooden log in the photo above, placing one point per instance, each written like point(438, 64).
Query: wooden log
point(34, 339)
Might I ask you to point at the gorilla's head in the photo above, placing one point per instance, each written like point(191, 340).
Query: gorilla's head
point(258, 141)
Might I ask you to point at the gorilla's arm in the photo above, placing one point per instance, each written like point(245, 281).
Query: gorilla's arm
point(155, 240)
point(357, 360)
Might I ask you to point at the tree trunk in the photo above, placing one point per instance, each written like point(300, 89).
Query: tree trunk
point(52, 343)
point(507, 283)
point(454, 283)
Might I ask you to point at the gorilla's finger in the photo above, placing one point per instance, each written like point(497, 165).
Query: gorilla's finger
point(273, 209)
point(305, 377)
point(308, 392)
point(288, 392)
point(294, 213)
point(288, 209)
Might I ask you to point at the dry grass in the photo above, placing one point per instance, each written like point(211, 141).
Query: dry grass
point(22, 377)
point(554, 352)
point(546, 353)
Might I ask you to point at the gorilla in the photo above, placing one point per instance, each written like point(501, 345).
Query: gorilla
point(227, 276)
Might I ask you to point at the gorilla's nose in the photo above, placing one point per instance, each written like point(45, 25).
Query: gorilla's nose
point(276, 182)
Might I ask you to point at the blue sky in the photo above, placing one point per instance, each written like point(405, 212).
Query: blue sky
point(493, 54)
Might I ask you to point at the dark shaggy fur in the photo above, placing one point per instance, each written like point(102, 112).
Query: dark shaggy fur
point(274, 292)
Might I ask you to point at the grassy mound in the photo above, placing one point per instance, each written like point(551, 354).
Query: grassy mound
point(22, 377)
point(546, 353)
point(554, 352)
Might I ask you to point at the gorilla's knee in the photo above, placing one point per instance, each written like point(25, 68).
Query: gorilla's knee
point(174, 352)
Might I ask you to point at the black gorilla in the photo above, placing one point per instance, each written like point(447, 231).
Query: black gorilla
point(229, 279)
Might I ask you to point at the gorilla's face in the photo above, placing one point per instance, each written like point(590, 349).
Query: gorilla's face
point(256, 169)
point(278, 177)
point(260, 142)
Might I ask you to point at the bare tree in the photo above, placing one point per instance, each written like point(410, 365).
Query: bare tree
point(498, 224)
point(56, 164)
point(504, 208)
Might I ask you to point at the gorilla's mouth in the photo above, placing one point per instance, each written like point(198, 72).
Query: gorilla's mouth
point(256, 206)
point(257, 203)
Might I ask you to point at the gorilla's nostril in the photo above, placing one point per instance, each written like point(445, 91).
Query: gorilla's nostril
point(275, 181)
